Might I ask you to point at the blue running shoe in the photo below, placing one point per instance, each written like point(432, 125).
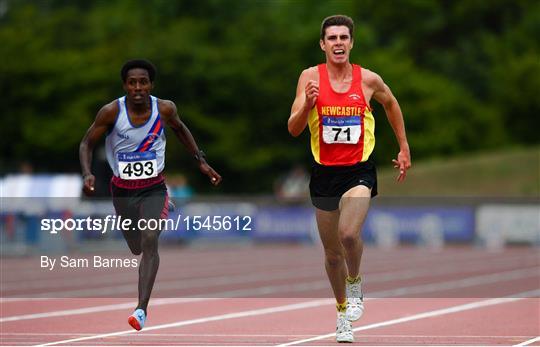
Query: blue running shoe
point(171, 206)
point(137, 319)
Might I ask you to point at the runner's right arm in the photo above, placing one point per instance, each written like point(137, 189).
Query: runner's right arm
point(307, 92)
point(105, 118)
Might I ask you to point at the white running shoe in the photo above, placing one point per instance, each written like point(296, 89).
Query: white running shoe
point(344, 332)
point(355, 301)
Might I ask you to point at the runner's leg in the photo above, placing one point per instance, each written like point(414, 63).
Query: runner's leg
point(354, 206)
point(327, 222)
point(125, 207)
point(151, 207)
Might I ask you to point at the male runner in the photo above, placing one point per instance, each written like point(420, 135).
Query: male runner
point(333, 98)
point(135, 146)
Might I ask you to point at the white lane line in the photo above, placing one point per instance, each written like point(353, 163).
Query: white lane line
point(173, 284)
point(461, 283)
point(400, 292)
point(182, 284)
point(81, 279)
point(22, 335)
point(94, 309)
point(148, 335)
point(185, 284)
point(301, 287)
point(428, 314)
point(528, 342)
point(308, 304)
point(241, 314)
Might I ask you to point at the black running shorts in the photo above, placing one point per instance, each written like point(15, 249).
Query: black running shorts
point(141, 203)
point(329, 183)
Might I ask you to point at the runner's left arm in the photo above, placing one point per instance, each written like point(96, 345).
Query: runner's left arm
point(384, 96)
point(169, 113)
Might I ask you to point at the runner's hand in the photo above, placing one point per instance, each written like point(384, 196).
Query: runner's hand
point(206, 169)
point(312, 93)
point(89, 182)
point(403, 163)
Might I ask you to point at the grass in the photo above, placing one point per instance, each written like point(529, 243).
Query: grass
point(506, 173)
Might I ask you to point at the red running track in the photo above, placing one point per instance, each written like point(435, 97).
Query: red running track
point(279, 295)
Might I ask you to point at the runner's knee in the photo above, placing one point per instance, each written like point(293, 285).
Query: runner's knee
point(149, 241)
point(333, 258)
point(349, 238)
point(136, 250)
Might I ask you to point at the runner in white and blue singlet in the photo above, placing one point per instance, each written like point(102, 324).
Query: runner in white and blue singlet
point(135, 146)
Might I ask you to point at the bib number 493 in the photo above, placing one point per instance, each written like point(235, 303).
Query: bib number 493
point(138, 169)
point(133, 166)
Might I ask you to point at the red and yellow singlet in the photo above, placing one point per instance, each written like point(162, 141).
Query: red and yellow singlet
point(342, 126)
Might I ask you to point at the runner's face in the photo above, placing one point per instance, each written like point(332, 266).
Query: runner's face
point(337, 44)
point(138, 85)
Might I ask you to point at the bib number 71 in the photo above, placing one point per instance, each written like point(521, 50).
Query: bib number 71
point(341, 129)
point(338, 131)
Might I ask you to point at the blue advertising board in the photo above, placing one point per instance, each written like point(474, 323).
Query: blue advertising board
point(421, 224)
point(284, 223)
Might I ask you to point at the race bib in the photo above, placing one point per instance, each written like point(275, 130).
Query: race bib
point(137, 165)
point(341, 129)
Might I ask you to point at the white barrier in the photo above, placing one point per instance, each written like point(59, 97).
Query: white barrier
point(497, 225)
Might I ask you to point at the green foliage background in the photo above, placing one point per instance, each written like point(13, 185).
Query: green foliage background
point(466, 73)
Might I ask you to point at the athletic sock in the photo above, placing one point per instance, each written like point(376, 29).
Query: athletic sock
point(341, 307)
point(353, 280)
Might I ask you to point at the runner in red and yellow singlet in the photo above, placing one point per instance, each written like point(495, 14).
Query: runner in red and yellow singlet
point(341, 126)
point(333, 98)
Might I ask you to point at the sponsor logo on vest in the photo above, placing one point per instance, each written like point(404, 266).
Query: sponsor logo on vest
point(341, 110)
point(151, 137)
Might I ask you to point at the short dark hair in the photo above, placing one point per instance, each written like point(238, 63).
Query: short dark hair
point(337, 20)
point(138, 64)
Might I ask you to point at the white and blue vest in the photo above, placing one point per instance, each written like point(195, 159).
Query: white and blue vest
point(136, 152)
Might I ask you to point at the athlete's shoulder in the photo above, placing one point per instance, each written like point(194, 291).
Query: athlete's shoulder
point(108, 112)
point(311, 72)
point(166, 108)
point(370, 77)
point(111, 106)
